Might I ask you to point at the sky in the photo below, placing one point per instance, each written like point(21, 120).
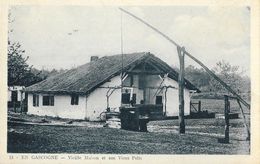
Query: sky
point(66, 36)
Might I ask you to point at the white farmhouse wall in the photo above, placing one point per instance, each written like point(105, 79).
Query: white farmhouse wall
point(62, 107)
point(97, 100)
point(172, 99)
point(9, 98)
point(20, 95)
point(153, 81)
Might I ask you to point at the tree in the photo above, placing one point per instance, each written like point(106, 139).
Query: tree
point(230, 75)
point(19, 72)
point(18, 69)
point(198, 77)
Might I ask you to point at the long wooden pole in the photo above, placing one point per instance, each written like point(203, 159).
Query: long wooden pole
point(181, 90)
point(227, 107)
point(122, 54)
point(192, 57)
point(244, 120)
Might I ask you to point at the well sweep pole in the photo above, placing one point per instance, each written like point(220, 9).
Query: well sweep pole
point(227, 107)
point(192, 57)
point(181, 90)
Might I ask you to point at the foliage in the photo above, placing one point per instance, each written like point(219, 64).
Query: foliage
point(228, 73)
point(198, 77)
point(19, 72)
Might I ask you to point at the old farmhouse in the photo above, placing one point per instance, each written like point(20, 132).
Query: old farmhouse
point(88, 90)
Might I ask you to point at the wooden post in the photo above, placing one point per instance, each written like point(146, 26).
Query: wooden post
point(199, 107)
point(227, 106)
point(244, 120)
point(190, 106)
point(181, 90)
point(144, 83)
point(21, 103)
point(14, 105)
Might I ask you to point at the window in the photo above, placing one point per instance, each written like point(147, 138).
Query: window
point(125, 98)
point(158, 100)
point(74, 100)
point(35, 100)
point(48, 100)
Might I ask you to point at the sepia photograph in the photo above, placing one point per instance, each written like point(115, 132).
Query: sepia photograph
point(141, 80)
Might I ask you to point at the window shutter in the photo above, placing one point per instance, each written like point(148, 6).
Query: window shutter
point(34, 100)
point(72, 100)
point(77, 100)
point(45, 100)
point(52, 100)
point(37, 100)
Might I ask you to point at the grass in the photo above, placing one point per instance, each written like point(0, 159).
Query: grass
point(163, 138)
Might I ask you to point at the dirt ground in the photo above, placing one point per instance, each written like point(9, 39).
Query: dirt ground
point(163, 138)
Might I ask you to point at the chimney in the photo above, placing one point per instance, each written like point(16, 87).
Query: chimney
point(93, 58)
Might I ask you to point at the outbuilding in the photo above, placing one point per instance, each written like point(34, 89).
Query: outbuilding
point(15, 96)
point(110, 82)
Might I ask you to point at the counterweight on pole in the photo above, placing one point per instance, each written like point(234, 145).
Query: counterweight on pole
point(192, 57)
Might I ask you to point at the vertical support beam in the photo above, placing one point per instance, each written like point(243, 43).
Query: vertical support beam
point(107, 95)
point(165, 101)
point(227, 106)
point(121, 84)
point(181, 90)
point(190, 106)
point(108, 101)
point(144, 90)
point(199, 107)
point(144, 82)
point(244, 120)
point(14, 105)
point(86, 107)
point(21, 102)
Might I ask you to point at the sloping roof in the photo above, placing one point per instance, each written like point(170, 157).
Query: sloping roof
point(87, 77)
